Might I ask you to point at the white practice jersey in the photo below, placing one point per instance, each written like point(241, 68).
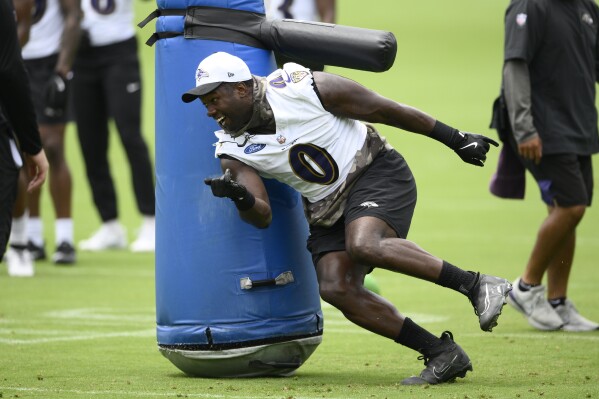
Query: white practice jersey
point(312, 150)
point(46, 31)
point(108, 21)
point(304, 10)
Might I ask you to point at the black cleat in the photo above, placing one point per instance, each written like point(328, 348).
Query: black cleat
point(65, 254)
point(443, 364)
point(37, 252)
point(488, 296)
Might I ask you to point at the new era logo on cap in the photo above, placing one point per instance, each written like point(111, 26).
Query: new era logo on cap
point(215, 69)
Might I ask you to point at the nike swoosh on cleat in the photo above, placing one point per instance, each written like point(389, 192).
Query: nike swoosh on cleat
point(444, 369)
point(470, 145)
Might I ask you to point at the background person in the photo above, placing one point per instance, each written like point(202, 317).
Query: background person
point(48, 56)
point(107, 84)
point(17, 118)
point(549, 75)
point(359, 194)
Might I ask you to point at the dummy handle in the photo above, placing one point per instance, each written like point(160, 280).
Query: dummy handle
point(284, 278)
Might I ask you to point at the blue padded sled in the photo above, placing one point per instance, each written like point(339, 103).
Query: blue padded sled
point(209, 323)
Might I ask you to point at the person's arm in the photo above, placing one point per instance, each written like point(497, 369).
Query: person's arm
point(71, 33)
point(517, 93)
point(24, 10)
point(242, 184)
point(15, 97)
point(326, 11)
point(56, 91)
point(346, 98)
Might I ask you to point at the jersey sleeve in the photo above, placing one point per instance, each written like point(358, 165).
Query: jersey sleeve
point(299, 80)
point(524, 24)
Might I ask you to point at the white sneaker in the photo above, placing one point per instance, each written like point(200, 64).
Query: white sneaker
point(19, 262)
point(109, 236)
point(535, 307)
point(573, 321)
point(146, 239)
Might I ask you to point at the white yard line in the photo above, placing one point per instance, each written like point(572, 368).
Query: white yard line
point(146, 394)
point(81, 337)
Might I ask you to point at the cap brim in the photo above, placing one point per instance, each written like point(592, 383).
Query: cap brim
point(196, 92)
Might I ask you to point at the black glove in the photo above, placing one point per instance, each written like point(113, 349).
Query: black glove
point(472, 148)
point(56, 95)
point(225, 186)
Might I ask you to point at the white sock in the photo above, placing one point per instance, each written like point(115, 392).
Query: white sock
point(18, 232)
point(64, 230)
point(111, 224)
point(149, 222)
point(35, 230)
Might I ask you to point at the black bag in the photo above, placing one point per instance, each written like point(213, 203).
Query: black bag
point(500, 119)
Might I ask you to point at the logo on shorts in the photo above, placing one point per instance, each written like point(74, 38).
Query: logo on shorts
point(521, 19)
point(369, 204)
point(587, 19)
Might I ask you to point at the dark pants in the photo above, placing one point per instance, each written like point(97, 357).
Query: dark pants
point(107, 84)
point(9, 177)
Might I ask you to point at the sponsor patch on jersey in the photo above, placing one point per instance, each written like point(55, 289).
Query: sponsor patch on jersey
point(298, 75)
point(521, 19)
point(252, 148)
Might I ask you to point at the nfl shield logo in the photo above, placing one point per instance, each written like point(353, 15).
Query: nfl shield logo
point(521, 19)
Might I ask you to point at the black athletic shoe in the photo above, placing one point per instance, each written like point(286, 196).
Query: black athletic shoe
point(37, 252)
point(488, 296)
point(65, 254)
point(443, 364)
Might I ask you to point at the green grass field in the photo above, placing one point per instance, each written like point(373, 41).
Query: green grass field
point(89, 331)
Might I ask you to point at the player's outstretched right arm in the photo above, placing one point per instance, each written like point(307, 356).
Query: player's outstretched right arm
point(344, 97)
point(245, 188)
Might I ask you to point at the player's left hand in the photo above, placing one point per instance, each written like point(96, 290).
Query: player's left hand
point(56, 95)
point(473, 148)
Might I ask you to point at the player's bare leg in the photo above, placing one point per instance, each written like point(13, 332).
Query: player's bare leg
point(371, 241)
point(341, 284)
point(60, 184)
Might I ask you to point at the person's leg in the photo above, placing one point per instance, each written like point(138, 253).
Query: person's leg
point(562, 180)
point(9, 176)
point(60, 184)
point(372, 241)
point(91, 114)
point(558, 272)
point(18, 257)
point(123, 89)
point(341, 283)
point(555, 239)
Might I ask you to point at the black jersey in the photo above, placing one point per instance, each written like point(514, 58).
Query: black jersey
point(558, 41)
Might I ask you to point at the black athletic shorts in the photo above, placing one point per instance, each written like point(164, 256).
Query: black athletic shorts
point(386, 190)
point(40, 71)
point(564, 179)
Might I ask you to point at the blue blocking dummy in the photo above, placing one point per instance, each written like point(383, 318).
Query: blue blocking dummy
point(231, 300)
